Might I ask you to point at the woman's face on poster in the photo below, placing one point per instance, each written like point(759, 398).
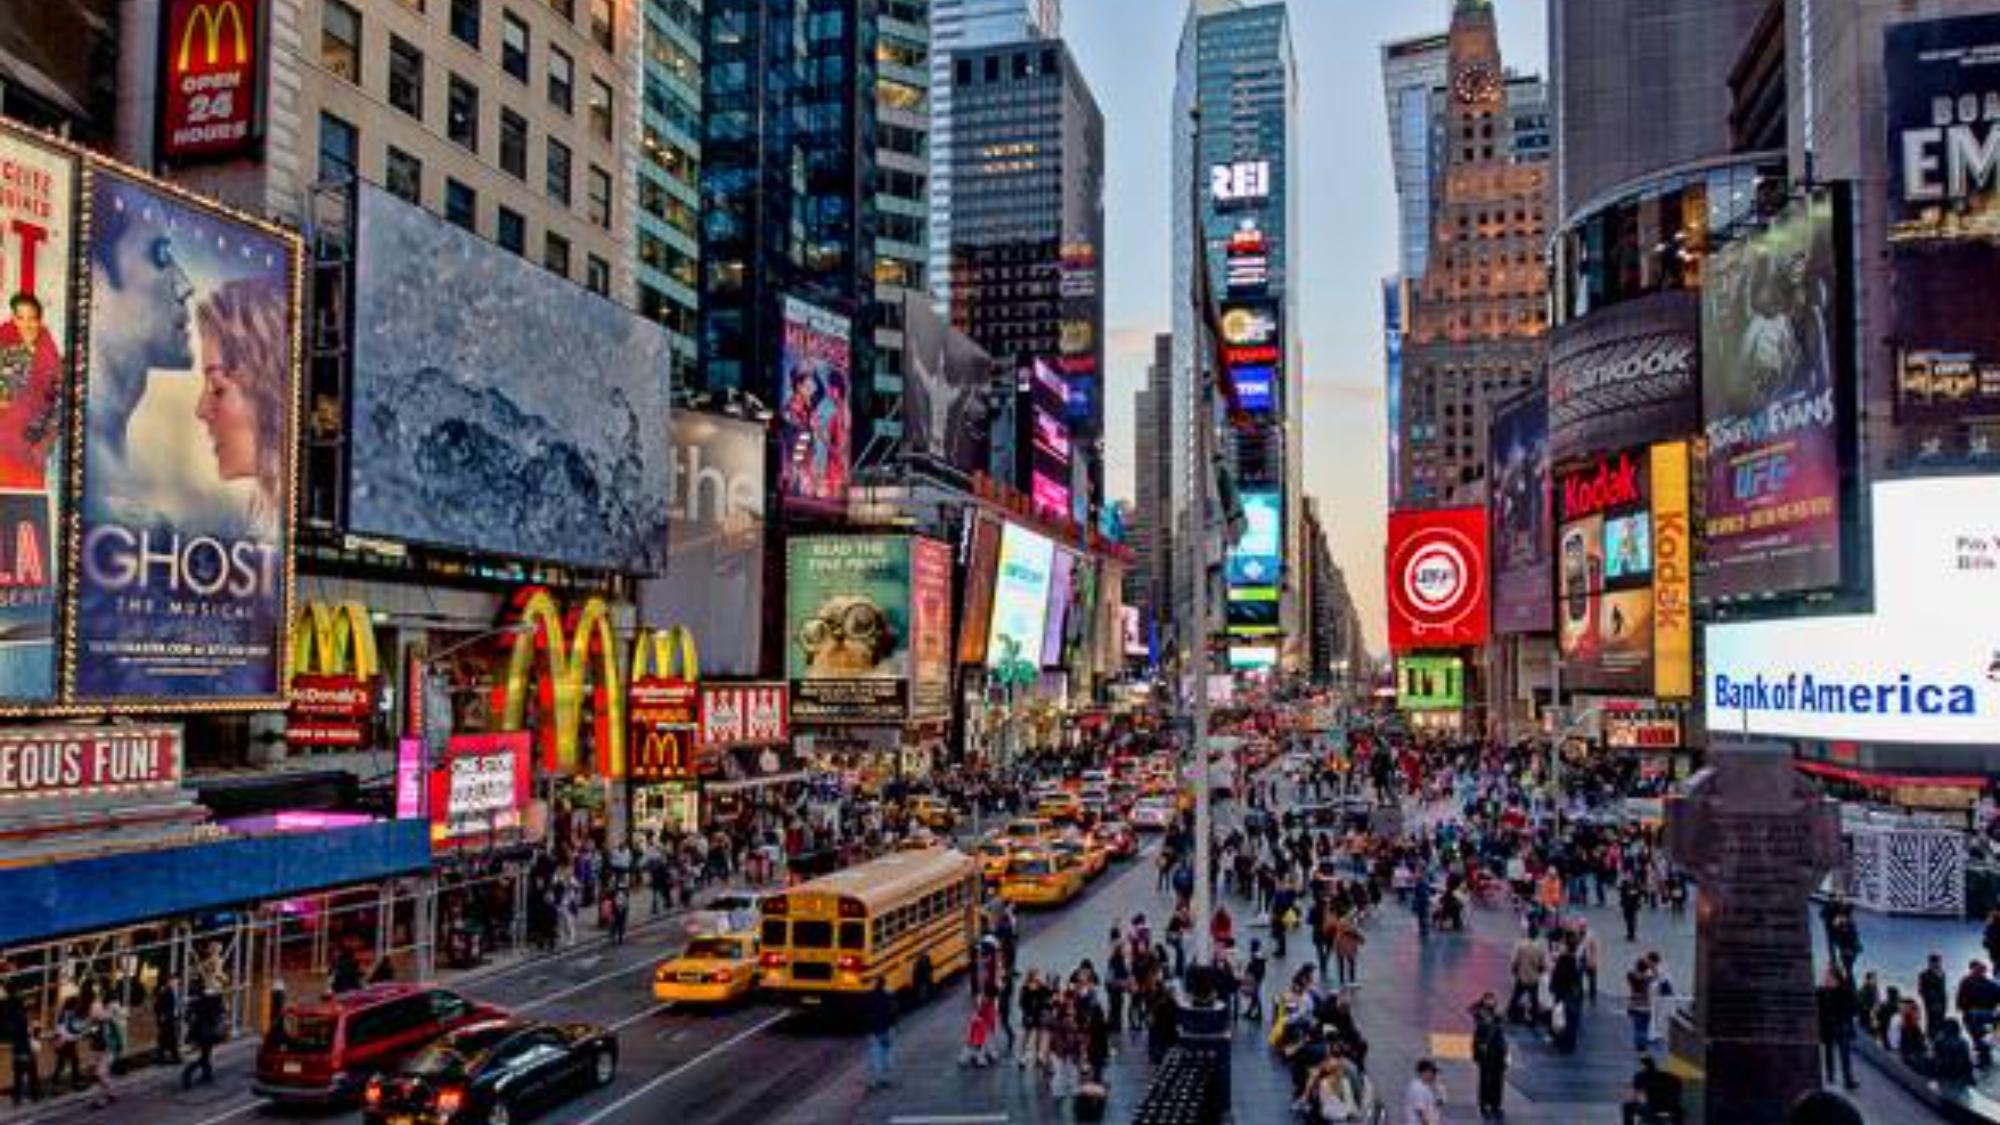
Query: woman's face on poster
point(225, 408)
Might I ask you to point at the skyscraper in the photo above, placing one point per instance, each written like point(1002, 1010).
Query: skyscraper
point(667, 165)
point(1152, 442)
point(1413, 79)
point(1232, 176)
point(958, 25)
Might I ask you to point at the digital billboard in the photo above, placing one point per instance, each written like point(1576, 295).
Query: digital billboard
point(1253, 354)
point(37, 242)
point(210, 89)
point(1624, 622)
point(848, 627)
point(930, 629)
point(1132, 632)
point(1944, 218)
point(1523, 525)
point(1256, 558)
point(1020, 596)
point(1253, 612)
point(1625, 376)
point(1392, 352)
point(981, 566)
point(1049, 449)
point(1062, 597)
point(815, 421)
point(1775, 400)
point(1921, 668)
point(714, 580)
point(1437, 579)
point(189, 419)
point(498, 408)
point(1430, 683)
point(482, 789)
point(947, 384)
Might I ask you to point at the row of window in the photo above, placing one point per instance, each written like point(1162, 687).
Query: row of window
point(946, 902)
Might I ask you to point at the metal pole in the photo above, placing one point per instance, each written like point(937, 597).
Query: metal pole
point(1204, 435)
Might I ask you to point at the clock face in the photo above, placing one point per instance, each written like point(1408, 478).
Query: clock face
point(1475, 82)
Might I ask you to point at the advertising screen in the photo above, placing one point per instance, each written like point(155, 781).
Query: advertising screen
point(1921, 668)
point(930, 629)
point(1628, 547)
point(1253, 353)
point(1623, 621)
point(1430, 683)
point(1774, 403)
point(1132, 628)
point(1523, 527)
point(1392, 357)
point(209, 87)
point(1437, 578)
point(1062, 597)
point(1248, 658)
point(1625, 376)
point(1049, 452)
point(1082, 621)
point(1944, 208)
point(37, 241)
point(980, 568)
point(189, 422)
point(714, 580)
point(1255, 559)
point(947, 409)
point(458, 345)
point(848, 627)
point(1020, 596)
point(482, 789)
point(815, 437)
point(1253, 612)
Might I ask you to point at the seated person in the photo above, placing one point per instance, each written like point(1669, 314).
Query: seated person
point(1656, 1096)
point(1951, 1055)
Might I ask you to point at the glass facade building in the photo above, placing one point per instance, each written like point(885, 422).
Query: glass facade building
point(668, 169)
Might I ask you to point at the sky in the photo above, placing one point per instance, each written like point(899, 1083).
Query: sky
point(1347, 209)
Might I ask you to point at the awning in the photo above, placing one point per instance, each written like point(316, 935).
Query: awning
point(753, 783)
point(1890, 780)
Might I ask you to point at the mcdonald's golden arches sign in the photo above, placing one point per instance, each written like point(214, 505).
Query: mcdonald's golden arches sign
point(210, 52)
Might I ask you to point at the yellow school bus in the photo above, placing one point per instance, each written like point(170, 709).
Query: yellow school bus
point(909, 918)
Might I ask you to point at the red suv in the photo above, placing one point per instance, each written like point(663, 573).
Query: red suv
point(329, 1050)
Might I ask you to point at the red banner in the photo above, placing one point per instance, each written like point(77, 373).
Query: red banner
point(208, 78)
point(484, 785)
point(1437, 579)
point(745, 715)
point(88, 761)
point(332, 711)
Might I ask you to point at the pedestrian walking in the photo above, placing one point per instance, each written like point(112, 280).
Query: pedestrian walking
point(107, 1044)
point(167, 1022)
point(621, 913)
point(206, 1017)
point(1934, 989)
point(1834, 1001)
point(1489, 1054)
point(1630, 895)
point(70, 1031)
point(1423, 1101)
point(1639, 1003)
point(881, 1023)
point(19, 1031)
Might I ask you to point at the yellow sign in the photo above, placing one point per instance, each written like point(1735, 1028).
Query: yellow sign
point(569, 650)
point(1673, 574)
point(211, 18)
point(334, 640)
point(655, 651)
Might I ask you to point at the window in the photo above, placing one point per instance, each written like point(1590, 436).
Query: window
point(461, 205)
point(562, 78)
point(599, 197)
point(564, 8)
point(339, 148)
point(447, 1006)
point(514, 46)
point(340, 41)
point(559, 173)
point(600, 108)
point(603, 24)
point(465, 22)
point(406, 77)
point(513, 144)
point(462, 113)
point(403, 175)
point(511, 231)
point(555, 253)
point(597, 276)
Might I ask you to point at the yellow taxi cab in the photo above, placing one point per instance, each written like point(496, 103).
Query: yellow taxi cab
point(1027, 832)
point(713, 969)
point(934, 813)
point(1086, 855)
point(1041, 878)
point(993, 856)
point(1060, 806)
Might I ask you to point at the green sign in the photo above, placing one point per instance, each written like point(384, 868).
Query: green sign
point(1430, 683)
point(848, 618)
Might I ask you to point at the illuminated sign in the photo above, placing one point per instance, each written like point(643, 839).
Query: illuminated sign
point(334, 676)
point(1244, 327)
point(565, 651)
point(1430, 683)
point(1245, 181)
point(71, 762)
point(482, 788)
point(208, 104)
point(745, 715)
point(1437, 578)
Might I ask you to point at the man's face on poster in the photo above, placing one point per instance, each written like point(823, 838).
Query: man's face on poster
point(27, 321)
point(148, 306)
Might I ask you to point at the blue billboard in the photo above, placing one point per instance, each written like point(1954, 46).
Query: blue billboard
point(1257, 558)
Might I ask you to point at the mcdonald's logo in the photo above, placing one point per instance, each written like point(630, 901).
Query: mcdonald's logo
point(334, 640)
point(332, 682)
point(570, 648)
point(212, 20)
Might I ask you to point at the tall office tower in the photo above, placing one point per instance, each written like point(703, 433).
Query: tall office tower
point(789, 214)
point(900, 207)
point(1640, 86)
point(1413, 80)
point(1028, 223)
point(958, 25)
point(1473, 327)
point(667, 167)
point(1235, 211)
point(1152, 445)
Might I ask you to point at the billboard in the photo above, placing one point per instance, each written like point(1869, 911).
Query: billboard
point(1132, 630)
point(37, 243)
point(981, 566)
point(210, 93)
point(815, 420)
point(930, 629)
point(848, 625)
point(745, 714)
point(1049, 450)
point(1522, 512)
point(1392, 351)
point(1240, 183)
point(1437, 580)
point(1253, 354)
point(1625, 548)
point(1020, 596)
point(498, 408)
point(1775, 402)
point(1430, 683)
point(482, 789)
point(1253, 611)
point(1062, 598)
point(1923, 667)
point(1625, 376)
point(714, 580)
point(947, 380)
point(1256, 559)
point(190, 419)
point(84, 761)
point(1944, 218)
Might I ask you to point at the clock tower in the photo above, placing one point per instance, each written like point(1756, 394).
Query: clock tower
point(1477, 82)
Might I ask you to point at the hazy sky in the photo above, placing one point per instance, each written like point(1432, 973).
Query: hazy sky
point(1346, 206)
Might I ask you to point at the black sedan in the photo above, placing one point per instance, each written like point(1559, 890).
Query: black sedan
point(496, 1072)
